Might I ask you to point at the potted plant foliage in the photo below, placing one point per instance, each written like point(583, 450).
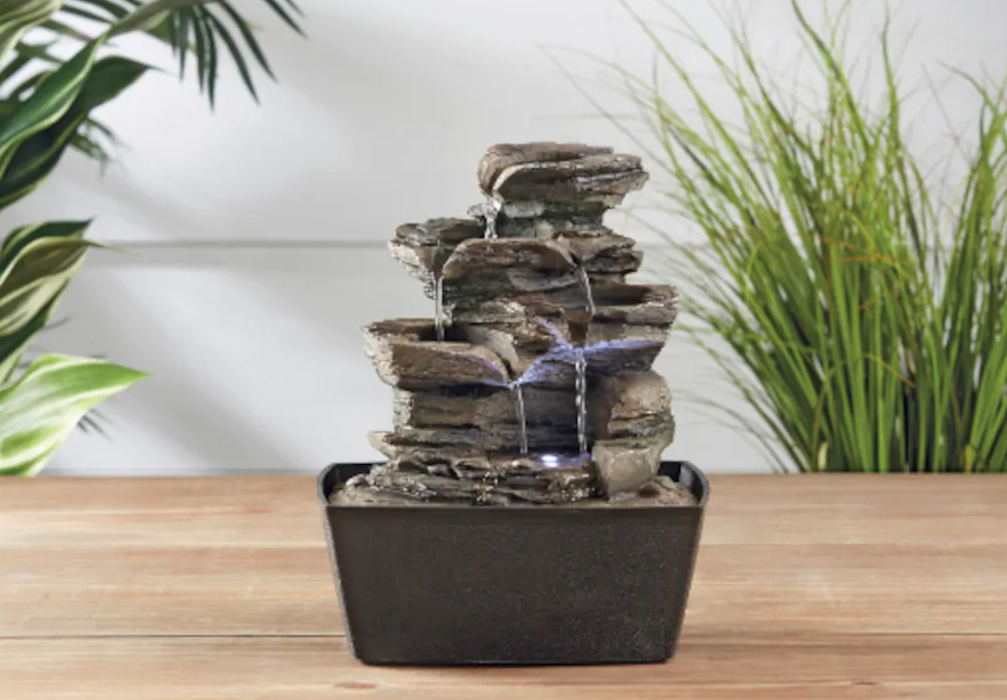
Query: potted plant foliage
point(859, 314)
point(522, 512)
point(45, 108)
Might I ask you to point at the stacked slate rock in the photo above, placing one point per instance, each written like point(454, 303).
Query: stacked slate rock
point(516, 279)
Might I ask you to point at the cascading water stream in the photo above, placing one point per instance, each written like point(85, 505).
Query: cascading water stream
point(580, 365)
point(439, 307)
point(435, 265)
point(492, 211)
point(585, 285)
point(515, 388)
point(580, 361)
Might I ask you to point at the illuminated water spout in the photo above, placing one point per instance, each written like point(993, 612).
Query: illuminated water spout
point(550, 460)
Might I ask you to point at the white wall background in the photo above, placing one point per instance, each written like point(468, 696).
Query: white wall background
point(258, 233)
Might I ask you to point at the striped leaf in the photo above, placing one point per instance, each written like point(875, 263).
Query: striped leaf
point(18, 16)
point(47, 104)
point(36, 264)
point(39, 410)
point(37, 156)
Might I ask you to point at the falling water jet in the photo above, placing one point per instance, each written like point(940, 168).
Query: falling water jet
point(585, 285)
point(578, 322)
point(435, 264)
point(582, 328)
point(580, 365)
point(492, 211)
point(515, 388)
point(439, 307)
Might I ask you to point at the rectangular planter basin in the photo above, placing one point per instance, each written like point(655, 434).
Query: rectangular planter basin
point(455, 585)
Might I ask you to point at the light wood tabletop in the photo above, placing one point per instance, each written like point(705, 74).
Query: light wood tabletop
point(807, 587)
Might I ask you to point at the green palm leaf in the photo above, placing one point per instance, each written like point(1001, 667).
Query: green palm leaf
point(198, 29)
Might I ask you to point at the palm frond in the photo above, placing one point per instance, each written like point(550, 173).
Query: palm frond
point(198, 32)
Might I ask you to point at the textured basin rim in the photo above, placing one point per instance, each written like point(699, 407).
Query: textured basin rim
point(684, 467)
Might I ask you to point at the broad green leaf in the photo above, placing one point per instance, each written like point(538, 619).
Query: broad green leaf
point(37, 156)
point(38, 274)
point(19, 238)
point(39, 410)
point(24, 54)
point(13, 346)
point(47, 104)
point(36, 264)
point(18, 16)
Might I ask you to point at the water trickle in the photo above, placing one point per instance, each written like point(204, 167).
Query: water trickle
point(492, 211)
point(580, 361)
point(437, 256)
point(439, 307)
point(580, 366)
point(585, 285)
point(515, 388)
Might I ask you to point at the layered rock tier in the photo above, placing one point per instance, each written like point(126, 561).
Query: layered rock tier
point(533, 383)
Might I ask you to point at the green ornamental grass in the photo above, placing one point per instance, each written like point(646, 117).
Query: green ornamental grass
point(863, 319)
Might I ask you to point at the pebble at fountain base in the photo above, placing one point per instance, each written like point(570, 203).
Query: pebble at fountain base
point(528, 392)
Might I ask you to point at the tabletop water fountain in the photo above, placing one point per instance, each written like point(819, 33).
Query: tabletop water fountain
point(522, 512)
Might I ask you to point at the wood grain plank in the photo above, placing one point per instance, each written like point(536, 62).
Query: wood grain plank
point(193, 590)
point(246, 556)
point(95, 513)
point(823, 586)
point(758, 667)
point(273, 590)
point(878, 509)
point(744, 509)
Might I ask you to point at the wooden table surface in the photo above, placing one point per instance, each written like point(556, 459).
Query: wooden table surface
point(807, 587)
